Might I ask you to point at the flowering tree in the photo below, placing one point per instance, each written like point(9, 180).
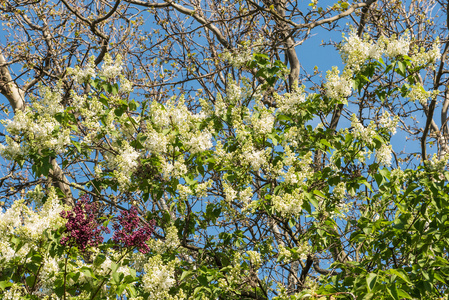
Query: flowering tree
point(250, 188)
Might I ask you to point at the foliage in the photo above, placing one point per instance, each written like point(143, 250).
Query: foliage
point(250, 188)
point(262, 158)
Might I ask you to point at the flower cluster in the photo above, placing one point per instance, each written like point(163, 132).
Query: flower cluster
point(254, 257)
point(28, 225)
point(82, 75)
point(339, 191)
point(124, 163)
point(82, 228)
point(111, 68)
point(35, 128)
point(357, 51)
point(418, 93)
point(384, 155)
point(198, 143)
point(397, 47)
point(389, 123)
point(130, 234)
point(421, 56)
point(288, 103)
point(243, 53)
point(159, 277)
point(338, 87)
point(170, 243)
point(288, 204)
point(365, 134)
point(287, 255)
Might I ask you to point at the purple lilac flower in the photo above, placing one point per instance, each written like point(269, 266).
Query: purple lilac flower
point(82, 227)
point(129, 232)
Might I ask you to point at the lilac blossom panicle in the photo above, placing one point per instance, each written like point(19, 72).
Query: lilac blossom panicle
point(129, 233)
point(82, 227)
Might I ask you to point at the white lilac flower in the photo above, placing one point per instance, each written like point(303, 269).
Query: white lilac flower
point(48, 217)
point(126, 86)
point(202, 188)
point(170, 243)
point(288, 204)
point(127, 160)
point(199, 143)
point(184, 191)
point(50, 102)
point(234, 93)
point(422, 57)
point(156, 142)
point(246, 195)
point(111, 69)
point(288, 102)
point(336, 86)
point(264, 123)
point(7, 253)
point(435, 53)
point(11, 218)
point(47, 273)
point(418, 92)
point(243, 54)
point(361, 132)
point(254, 258)
point(255, 158)
point(167, 169)
point(12, 149)
point(339, 191)
point(15, 292)
point(438, 162)
point(291, 177)
point(179, 116)
point(355, 51)
point(389, 123)
point(384, 155)
point(36, 127)
point(83, 74)
point(160, 116)
point(179, 167)
point(397, 47)
point(284, 253)
point(159, 277)
point(230, 193)
point(220, 106)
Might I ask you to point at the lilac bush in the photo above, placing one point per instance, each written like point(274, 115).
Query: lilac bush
point(129, 233)
point(82, 226)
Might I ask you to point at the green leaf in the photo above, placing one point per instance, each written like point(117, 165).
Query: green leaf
point(87, 272)
point(319, 193)
point(403, 294)
point(185, 274)
point(401, 274)
point(77, 146)
point(401, 67)
point(393, 291)
point(133, 105)
point(325, 143)
point(120, 289)
point(116, 277)
point(385, 173)
point(203, 280)
point(99, 259)
point(371, 281)
point(5, 284)
point(119, 111)
point(114, 89)
point(30, 280)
